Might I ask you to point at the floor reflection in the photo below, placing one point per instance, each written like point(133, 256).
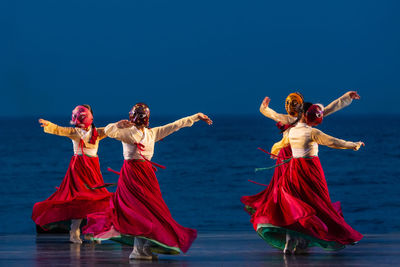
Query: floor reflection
point(233, 249)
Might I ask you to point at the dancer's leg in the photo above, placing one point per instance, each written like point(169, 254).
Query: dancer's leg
point(75, 232)
point(290, 244)
point(138, 250)
point(147, 250)
point(301, 246)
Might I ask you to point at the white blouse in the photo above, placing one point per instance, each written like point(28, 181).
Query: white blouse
point(304, 141)
point(85, 136)
point(131, 136)
point(76, 135)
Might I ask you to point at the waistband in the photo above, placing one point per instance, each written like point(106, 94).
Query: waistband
point(90, 156)
point(135, 160)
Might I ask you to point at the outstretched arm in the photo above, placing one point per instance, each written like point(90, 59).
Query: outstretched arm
point(327, 140)
point(121, 131)
point(270, 113)
point(52, 128)
point(341, 102)
point(163, 131)
point(101, 132)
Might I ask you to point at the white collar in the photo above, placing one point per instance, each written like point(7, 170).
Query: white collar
point(83, 133)
point(302, 124)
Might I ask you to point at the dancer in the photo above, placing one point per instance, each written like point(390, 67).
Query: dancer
point(292, 103)
point(281, 150)
point(73, 200)
point(139, 215)
point(298, 212)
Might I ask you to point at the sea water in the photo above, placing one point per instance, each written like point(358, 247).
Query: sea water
point(208, 168)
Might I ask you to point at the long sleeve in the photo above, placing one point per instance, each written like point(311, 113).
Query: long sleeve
point(327, 140)
point(273, 115)
point(101, 132)
point(163, 131)
point(52, 128)
point(281, 144)
point(338, 104)
point(125, 135)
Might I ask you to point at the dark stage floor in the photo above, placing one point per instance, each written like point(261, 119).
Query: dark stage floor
point(210, 249)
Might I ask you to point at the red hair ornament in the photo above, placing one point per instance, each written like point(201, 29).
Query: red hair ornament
point(314, 115)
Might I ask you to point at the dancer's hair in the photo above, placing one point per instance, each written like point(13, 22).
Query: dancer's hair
point(95, 134)
point(302, 109)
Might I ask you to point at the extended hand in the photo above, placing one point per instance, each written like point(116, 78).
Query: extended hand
point(122, 124)
point(359, 144)
point(265, 102)
point(354, 95)
point(205, 118)
point(43, 123)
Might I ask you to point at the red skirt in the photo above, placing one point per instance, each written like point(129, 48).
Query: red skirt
point(252, 203)
point(299, 204)
point(138, 209)
point(73, 200)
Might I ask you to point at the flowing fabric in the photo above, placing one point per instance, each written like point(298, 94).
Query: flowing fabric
point(252, 203)
point(138, 209)
point(298, 203)
point(73, 200)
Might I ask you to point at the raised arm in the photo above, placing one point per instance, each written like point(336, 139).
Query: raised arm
point(270, 113)
point(327, 140)
point(163, 131)
point(121, 131)
point(52, 128)
point(341, 102)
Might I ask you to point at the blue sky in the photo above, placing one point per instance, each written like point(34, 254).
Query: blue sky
point(181, 57)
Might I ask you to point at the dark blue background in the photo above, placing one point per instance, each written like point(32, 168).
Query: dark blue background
point(181, 57)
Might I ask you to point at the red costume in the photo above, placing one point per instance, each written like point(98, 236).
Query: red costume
point(73, 200)
point(138, 210)
point(296, 203)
